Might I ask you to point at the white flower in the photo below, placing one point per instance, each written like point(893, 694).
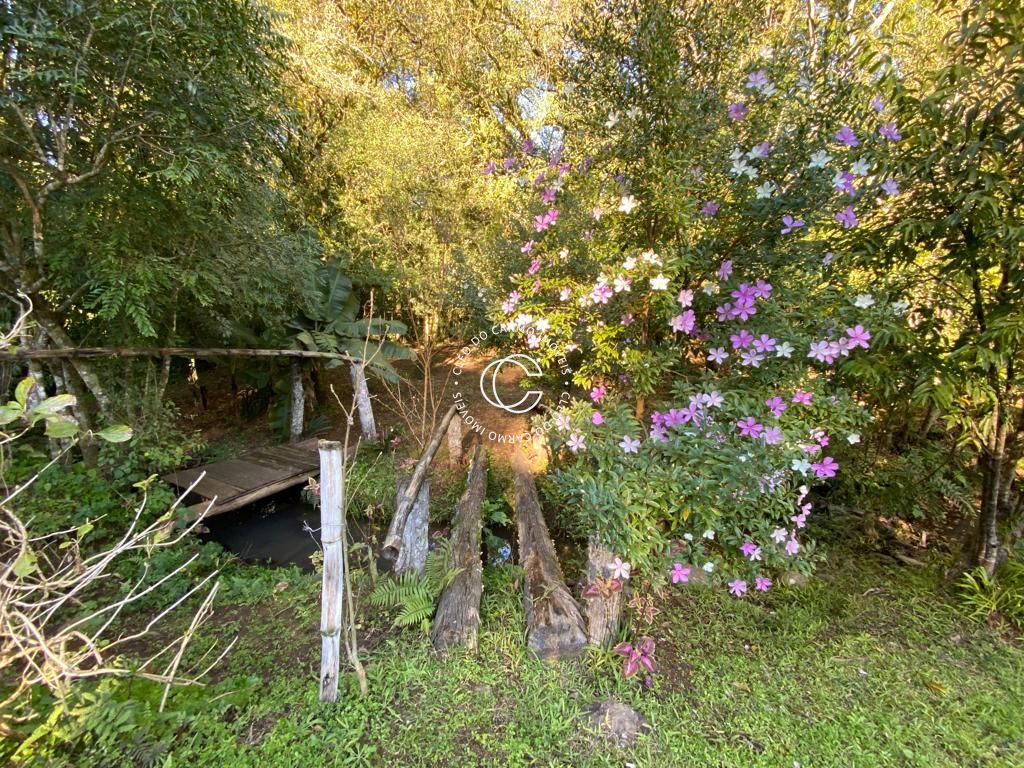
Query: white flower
point(627, 204)
point(659, 283)
point(765, 190)
point(621, 284)
point(632, 113)
point(564, 254)
point(769, 90)
point(785, 349)
point(860, 168)
point(613, 118)
point(900, 307)
point(650, 257)
point(741, 167)
point(709, 534)
point(853, 438)
point(820, 159)
point(619, 569)
point(864, 300)
point(710, 289)
point(708, 567)
point(688, 536)
point(629, 263)
point(803, 466)
point(736, 153)
point(542, 325)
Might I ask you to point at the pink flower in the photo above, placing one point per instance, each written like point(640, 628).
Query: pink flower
point(762, 583)
point(597, 393)
point(627, 319)
point(601, 293)
point(792, 547)
point(597, 418)
point(679, 574)
point(777, 405)
point(620, 569)
point(527, 246)
point(685, 322)
point(751, 550)
point(685, 298)
point(800, 521)
point(639, 655)
point(548, 195)
point(827, 467)
point(738, 587)
point(534, 267)
point(749, 427)
point(859, 337)
point(725, 269)
point(773, 436)
point(741, 340)
point(802, 398)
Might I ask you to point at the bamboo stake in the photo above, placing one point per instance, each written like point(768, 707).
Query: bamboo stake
point(363, 403)
point(332, 536)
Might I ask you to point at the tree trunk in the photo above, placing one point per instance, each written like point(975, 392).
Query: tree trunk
point(363, 403)
point(603, 613)
point(455, 442)
point(298, 403)
point(554, 625)
point(413, 554)
point(457, 620)
point(88, 376)
point(991, 461)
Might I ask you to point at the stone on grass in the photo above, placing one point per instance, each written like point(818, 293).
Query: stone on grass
point(616, 722)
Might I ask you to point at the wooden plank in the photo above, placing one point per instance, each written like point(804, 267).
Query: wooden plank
point(246, 475)
point(229, 505)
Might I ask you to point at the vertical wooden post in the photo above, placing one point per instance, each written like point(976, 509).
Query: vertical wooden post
point(332, 536)
point(365, 407)
point(455, 442)
point(413, 555)
point(298, 404)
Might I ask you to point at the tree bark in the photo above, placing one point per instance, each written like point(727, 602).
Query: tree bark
point(457, 620)
point(298, 403)
point(367, 424)
point(455, 442)
point(413, 554)
point(603, 613)
point(554, 625)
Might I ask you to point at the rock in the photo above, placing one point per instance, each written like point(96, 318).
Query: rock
point(616, 722)
point(793, 579)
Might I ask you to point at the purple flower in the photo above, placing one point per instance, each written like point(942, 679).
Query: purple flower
point(757, 80)
point(534, 267)
point(859, 336)
point(777, 405)
point(490, 168)
point(773, 436)
point(827, 467)
point(679, 574)
point(762, 583)
point(843, 182)
point(802, 398)
point(597, 393)
point(845, 135)
point(741, 340)
point(629, 444)
point(597, 419)
point(738, 587)
point(685, 322)
point(890, 187)
point(509, 163)
point(528, 146)
point(725, 269)
point(762, 290)
point(627, 319)
point(548, 195)
point(748, 427)
point(737, 111)
point(751, 550)
point(890, 132)
point(847, 217)
point(765, 344)
point(639, 655)
point(877, 104)
point(724, 312)
point(685, 298)
point(751, 358)
point(717, 355)
point(789, 224)
point(763, 149)
point(744, 292)
point(800, 520)
point(792, 547)
point(577, 442)
point(710, 208)
point(744, 309)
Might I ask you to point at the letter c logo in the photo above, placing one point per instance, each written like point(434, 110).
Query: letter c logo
point(528, 401)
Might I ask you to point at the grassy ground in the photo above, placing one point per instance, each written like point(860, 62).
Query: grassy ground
point(866, 666)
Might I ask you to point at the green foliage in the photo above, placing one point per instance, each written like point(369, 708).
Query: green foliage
point(416, 597)
point(993, 598)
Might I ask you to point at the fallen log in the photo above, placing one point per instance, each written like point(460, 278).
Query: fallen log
point(603, 609)
point(393, 541)
point(455, 443)
point(457, 620)
point(554, 625)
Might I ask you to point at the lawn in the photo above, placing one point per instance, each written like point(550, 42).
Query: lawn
point(867, 665)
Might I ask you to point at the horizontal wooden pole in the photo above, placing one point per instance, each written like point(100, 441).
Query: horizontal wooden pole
point(79, 352)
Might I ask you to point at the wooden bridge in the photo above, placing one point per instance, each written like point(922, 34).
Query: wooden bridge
point(251, 477)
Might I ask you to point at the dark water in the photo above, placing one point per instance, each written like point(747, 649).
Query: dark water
point(269, 531)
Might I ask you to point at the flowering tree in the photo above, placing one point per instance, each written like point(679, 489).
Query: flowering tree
point(682, 247)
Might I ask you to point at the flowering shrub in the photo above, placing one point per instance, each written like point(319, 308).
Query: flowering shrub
point(698, 287)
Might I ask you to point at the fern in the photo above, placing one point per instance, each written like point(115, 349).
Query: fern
point(415, 597)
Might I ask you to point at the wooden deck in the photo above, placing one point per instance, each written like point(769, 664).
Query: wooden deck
point(251, 477)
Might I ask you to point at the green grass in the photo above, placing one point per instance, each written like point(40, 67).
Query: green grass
point(866, 666)
point(869, 665)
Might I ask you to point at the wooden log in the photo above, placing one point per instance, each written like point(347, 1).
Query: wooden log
point(367, 424)
point(393, 540)
point(554, 625)
point(103, 352)
point(298, 403)
point(332, 537)
point(603, 613)
point(457, 620)
point(413, 555)
point(455, 442)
